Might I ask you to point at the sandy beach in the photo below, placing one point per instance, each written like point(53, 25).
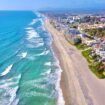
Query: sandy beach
point(78, 83)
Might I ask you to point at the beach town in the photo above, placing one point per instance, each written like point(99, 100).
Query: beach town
point(79, 43)
point(87, 33)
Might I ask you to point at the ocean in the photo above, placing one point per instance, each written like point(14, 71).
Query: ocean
point(29, 70)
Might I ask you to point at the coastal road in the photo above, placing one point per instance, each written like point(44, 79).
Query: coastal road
point(79, 85)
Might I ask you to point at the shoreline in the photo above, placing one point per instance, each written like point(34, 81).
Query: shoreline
point(64, 83)
point(60, 99)
point(56, 52)
point(73, 84)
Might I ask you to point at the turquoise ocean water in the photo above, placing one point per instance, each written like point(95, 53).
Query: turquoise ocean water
point(29, 70)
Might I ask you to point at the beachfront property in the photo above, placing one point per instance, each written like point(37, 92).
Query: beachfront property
point(73, 36)
point(84, 26)
point(87, 41)
point(92, 48)
point(73, 27)
point(99, 49)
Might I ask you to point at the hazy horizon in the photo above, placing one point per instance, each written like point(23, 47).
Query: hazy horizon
point(52, 4)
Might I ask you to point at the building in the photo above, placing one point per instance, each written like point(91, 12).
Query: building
point(72, 38)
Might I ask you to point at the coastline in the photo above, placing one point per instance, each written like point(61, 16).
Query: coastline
point(74, 88)
point(61, 83)
point(64, 83)
point(60, 99)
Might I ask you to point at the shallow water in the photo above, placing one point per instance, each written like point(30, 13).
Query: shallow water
point(29, 71)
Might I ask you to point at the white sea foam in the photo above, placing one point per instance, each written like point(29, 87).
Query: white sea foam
point(60, 100)
point(42, 22)
point(39, 18)
point(10, 79)
point(47, 64)
point(43, 53)
point(35, 85)
point(33, 22)
point(30, 46)
point(23, 55)
point(36, 81)
point(33, 93)
point(15, 102)
point(38, 14)
point(39, 86)
point(9, 89)
point(39, 45)
point(40, 54)
point(8, 84)
point(29, 28)
point(46, 72)
point(7, 70)
point(35, 46)
point(32, 34)
point(47, 51)
point(13, 92)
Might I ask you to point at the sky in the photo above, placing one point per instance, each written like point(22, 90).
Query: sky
point(50, 4)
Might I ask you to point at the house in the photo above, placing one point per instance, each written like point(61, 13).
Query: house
point(100, 50)
point(88, 41)
point(102, 53)
point(73, 38)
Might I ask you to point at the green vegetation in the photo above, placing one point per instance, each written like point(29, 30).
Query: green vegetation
point(95, 66)
point(81, 46)
point(96, 32)
point(86, 54)
point(73, 25)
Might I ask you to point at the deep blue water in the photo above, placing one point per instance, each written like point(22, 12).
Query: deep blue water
point(28, 67)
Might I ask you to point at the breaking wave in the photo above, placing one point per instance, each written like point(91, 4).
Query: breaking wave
point(32, 34)
point(23, 55)
point(7, 70)
point(9, 90)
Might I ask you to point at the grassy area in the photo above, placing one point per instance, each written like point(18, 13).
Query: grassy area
point(96, 32)
point(99, 73)
point(73, 25)
point(81, 46)
point(93, 65)
point(86, 54)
